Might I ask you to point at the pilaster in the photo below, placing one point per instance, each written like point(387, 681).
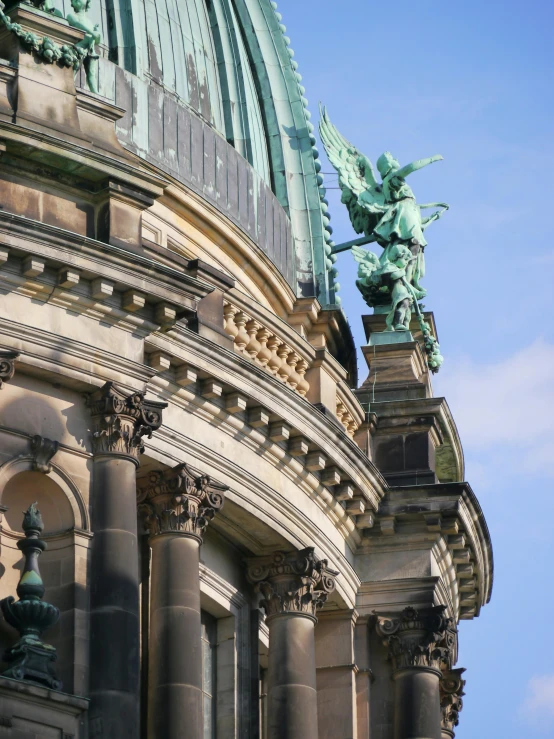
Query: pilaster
point(418, 638)
point(420, 643)
point(451, 691)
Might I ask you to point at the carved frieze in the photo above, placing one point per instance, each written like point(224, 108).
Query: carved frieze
point(292, 582)
point(121, 421)
point(418, 637)
point(451, 691)
point(7, 365)
point(180, 500)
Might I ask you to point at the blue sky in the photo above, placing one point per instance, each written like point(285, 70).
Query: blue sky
point(474, 82)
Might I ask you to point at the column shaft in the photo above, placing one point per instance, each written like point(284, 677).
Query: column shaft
point(291, 691)
point(175, 669)
point(114, 617)
point(417, 712)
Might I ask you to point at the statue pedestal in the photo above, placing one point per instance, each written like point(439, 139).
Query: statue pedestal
point(397, 368)
point(42, 94)
point(398, 390)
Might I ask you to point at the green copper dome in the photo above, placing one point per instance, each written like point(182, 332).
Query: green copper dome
point(220, 74)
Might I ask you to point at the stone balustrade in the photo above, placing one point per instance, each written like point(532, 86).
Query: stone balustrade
point(253, 340)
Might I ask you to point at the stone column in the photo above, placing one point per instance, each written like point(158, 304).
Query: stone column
point(119, 423)
point(177, 506)
point(420, 643)
point(293, 585)
point(451, 691)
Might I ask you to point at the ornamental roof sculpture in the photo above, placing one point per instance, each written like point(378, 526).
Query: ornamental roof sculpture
point(386, 213)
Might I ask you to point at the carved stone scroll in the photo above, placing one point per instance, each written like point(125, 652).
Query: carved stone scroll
point(120, 422)
point(7, 365)
point(180, 500)
point(292, 582)
point(43, 450)
point(418, 638)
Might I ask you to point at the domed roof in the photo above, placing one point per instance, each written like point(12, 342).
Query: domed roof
point(193, 72)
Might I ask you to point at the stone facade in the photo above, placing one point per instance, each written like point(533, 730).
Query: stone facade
point(236, 546)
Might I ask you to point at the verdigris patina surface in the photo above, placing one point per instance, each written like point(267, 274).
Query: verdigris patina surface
point(80, 19)
point(68, 55)
point(386, 213)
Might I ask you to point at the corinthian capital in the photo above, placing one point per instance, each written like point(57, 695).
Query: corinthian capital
point(418, 638)
point(180, 500)
point(121, 421)
point(451, 691)
point(7, 364)
point(292, 582)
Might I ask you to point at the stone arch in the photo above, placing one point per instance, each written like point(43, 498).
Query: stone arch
point(59, 484)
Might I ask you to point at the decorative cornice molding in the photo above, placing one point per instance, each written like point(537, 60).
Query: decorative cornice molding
point(42, 451)
point(8, 359)
point(451, 691)
point(421, 638)
point(120, 422)
point(180, 501)
point(291, 582)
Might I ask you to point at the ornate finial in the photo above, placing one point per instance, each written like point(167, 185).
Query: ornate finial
point(180, 500)
point(120, 421)
point(297, 582)
point(31, 659)
point(451, 691)
point(7, 365)
point(418, 637)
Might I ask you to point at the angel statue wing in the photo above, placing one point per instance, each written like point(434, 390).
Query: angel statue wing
point(361, 192)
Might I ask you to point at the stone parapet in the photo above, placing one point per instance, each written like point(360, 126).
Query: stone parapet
point(30, 708)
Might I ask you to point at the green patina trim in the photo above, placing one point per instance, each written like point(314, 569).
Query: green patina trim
point(45, 48)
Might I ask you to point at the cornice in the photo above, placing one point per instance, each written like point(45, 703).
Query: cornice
point(447, 512)
point(93, 163)
point(217, 228)
point(263, 389)
point(51, 354)
point(122, 266)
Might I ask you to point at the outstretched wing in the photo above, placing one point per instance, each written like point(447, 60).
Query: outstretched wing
point(356, 177)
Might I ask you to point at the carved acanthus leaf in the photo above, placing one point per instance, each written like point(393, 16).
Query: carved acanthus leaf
point(418, 637)
point(180, 500)
point(296, 582)
point(120, 422)
point(451, 691)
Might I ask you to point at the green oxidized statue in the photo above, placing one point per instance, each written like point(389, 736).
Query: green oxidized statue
point(80, 19)
point(386, 213)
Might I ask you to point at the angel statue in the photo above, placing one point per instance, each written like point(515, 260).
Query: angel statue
point(388, 214)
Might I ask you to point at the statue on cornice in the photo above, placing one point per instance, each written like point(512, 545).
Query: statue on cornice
point(80, 19)
point(386, 213)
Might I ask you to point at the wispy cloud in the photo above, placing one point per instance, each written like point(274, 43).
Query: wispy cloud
point(538, 706)
point(506, 407)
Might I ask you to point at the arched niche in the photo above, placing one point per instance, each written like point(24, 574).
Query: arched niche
point(63, 565)
point(63, 507)
point(29, 487)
